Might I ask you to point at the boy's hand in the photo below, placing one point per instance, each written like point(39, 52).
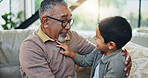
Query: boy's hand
point(67, 51)
point(128, 62)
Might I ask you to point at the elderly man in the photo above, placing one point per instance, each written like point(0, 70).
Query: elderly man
point(39, 56)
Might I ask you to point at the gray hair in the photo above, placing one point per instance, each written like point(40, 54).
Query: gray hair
point(47, 5)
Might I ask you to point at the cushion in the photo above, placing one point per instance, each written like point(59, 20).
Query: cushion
point(10, 41)
point(139, 55)
point(140, 36)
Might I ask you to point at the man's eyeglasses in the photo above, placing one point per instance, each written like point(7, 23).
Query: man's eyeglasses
point(64, 22)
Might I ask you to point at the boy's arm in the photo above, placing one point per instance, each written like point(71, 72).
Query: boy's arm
point(86, 60)
point(82, 60)
point(65, 50)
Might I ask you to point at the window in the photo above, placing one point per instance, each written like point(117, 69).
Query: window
point(126, 8)
point(89, 12)
point(86, 16)
point(144, 13)
point(37, 4)
point(24, 8)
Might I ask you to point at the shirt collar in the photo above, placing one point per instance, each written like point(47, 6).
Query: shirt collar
point(45, 38)
point(108, 58)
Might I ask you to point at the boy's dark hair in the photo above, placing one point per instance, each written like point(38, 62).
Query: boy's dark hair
point(115, 29)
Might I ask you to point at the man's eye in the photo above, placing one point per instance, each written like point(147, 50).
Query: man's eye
point(65, 21)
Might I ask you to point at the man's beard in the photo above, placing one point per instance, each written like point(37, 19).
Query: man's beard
point(61, 38)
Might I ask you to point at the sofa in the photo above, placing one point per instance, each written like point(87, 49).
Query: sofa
point(140, 36)
point(10, 41)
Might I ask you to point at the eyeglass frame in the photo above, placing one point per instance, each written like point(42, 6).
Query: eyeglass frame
point(63, 21)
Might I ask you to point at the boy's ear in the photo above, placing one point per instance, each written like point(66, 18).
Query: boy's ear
point(111, 45)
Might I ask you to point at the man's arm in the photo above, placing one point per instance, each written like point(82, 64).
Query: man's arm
point(83, 46)
point(32, 61)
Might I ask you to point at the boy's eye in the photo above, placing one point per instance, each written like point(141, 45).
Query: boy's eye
point(97, 37)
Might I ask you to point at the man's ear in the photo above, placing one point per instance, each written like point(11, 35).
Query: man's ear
point(111, 45)
point(44, 22)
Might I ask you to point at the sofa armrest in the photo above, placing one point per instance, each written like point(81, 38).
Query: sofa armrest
point(139, 56)
point(10, 41)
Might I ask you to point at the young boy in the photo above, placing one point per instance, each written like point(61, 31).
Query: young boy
point(106, 60)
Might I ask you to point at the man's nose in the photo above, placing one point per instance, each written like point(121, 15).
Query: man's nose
point(68, 26)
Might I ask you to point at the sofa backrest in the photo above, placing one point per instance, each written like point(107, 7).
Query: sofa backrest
point(10, 41)
point(140, 39)
point(139, 56)
point(140, 36)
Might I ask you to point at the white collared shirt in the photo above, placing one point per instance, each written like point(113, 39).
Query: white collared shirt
point(96, 75)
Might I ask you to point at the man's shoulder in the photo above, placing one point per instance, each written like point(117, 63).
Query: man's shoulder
point(71, 33)
point(32, 38)
point(74, 34)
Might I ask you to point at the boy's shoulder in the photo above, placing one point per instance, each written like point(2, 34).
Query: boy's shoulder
point(96, 51)
point(115, 56)
point(118, 56)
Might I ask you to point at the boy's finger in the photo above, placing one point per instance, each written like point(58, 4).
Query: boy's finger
point(62, 52)
point(58, 42)
point(58, 46)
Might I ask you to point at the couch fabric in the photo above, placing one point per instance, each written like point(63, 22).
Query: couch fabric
point(9, 52)
point(140, 36)
point(10, 41)
point(139, 55)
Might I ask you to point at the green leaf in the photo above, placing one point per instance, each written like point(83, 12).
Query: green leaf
point(19, 14)
point(9, 21)
point(5, 27)
point(5, 16)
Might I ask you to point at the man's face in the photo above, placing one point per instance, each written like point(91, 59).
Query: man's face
point(54, 29)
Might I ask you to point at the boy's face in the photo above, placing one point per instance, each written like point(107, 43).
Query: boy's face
point(100, 45)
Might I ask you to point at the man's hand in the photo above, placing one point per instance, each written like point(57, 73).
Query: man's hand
point(128, 62)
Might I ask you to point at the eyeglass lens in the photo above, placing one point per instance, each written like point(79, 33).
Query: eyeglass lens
point(64, 24)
